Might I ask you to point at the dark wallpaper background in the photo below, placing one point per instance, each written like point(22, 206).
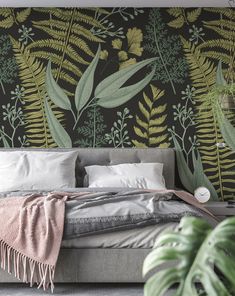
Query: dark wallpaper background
point(51, 97)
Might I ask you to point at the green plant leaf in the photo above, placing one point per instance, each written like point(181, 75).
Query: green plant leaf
point(124, 94)
point(54, 91)
point(220, 81)
point(112, 83)
point(160, 283)
point(226, 128)
point(151, 127)
point(185, 174)
point(4, 140)
point(172, 67)
point(32, 78)
point(200, 179)
point(66, 40)
point(194, 253)
point(203, 76)
point(85, 84)
point(58, 133)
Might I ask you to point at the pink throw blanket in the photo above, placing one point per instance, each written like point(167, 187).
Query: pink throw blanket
point(30, 236)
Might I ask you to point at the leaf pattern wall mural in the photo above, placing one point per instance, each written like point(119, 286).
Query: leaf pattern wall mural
point(123, 77)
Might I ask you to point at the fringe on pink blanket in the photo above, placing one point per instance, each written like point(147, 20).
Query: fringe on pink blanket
point(31, 230)
point(26, 269)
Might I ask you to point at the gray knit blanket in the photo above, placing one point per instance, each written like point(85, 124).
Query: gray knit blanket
point(111, 211)
point(91, 212)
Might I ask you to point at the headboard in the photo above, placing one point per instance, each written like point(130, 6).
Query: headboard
point(110, 156)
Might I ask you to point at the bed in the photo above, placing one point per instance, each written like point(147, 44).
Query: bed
point(110, 257)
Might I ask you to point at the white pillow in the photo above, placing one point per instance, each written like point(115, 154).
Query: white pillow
point(134, 175)
point(26, 170)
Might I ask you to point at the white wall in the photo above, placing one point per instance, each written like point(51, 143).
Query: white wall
point(117, 3)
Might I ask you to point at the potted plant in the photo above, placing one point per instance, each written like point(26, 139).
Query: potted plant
point(199, 260)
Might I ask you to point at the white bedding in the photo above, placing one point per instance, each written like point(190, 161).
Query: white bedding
point(143, 237)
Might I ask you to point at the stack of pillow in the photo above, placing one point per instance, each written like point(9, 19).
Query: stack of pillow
point(53, 170)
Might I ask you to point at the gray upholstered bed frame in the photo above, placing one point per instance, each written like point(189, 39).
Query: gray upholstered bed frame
point(107, 265)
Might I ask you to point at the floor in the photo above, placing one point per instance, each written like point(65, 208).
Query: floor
point(75, 289)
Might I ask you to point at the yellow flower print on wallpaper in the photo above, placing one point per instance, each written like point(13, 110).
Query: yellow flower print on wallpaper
point(134, 40)
point(129, 47)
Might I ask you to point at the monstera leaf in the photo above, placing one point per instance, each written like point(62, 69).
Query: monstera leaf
point(195, 253)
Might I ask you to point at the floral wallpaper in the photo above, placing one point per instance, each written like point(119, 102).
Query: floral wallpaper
point(123, 77)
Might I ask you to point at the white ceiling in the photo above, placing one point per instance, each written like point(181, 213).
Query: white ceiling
point(117, 3)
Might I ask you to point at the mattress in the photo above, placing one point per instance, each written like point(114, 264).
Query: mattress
point(143, 237)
